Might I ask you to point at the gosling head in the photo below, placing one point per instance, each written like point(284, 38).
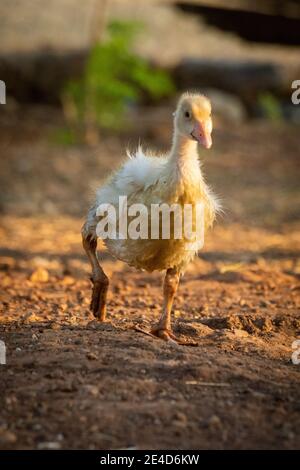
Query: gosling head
point(192, 118)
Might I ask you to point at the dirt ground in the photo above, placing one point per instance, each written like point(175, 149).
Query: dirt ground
point(71, 382)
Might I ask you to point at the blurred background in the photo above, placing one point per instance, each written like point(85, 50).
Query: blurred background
point(84, 81)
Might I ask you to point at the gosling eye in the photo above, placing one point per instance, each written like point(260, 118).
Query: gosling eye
point(187, 114)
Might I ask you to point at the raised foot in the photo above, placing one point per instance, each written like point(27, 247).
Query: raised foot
point(98, 302)
point(166, 335)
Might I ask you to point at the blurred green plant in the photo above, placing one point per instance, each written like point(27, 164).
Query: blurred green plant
point(114, 77)
point(64, 137)
point(270, 107)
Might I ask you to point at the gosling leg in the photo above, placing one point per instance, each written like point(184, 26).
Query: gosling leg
point(163, 329)
point(99, 279)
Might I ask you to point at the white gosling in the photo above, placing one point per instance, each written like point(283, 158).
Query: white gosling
point(175, 178)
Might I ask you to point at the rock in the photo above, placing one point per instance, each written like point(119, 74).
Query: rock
point(7, 437)
point(214, 422)
point(192, 329)
point(39, 275)
point(180, 419)
point(92, 356)
point(240, 333)
point(91, 389)
point(10, 402)
point(68, 281)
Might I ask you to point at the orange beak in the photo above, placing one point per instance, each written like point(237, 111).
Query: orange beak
point(201, 135)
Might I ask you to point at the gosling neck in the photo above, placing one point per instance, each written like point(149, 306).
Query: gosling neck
point(183, 149)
